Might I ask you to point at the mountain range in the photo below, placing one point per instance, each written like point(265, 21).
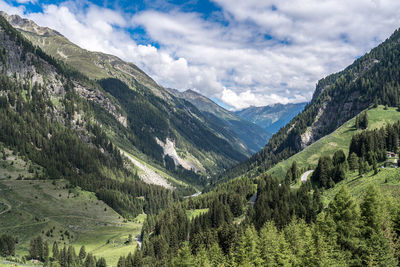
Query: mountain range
point(273, 117)
point(252, 135)
point(94, 151)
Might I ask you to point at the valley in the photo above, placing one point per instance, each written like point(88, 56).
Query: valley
point(102, 166)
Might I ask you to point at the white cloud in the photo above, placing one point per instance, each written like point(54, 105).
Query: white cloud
point(234, 62)
point(322, 37)
point(11, 9)
point(26, 1)
point(248, 98)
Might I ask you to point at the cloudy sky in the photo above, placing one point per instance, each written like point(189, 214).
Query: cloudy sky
point(239, 53)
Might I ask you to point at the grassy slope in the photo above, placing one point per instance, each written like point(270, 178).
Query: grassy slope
point(37, 207)
point(339, 139)
point(33, 207)
point(388, 180)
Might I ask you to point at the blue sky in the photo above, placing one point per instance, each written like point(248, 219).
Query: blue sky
point(239, 53)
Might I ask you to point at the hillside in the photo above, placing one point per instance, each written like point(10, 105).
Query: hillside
point(69, 216)
point(339, 139)
point(371, 79)
point(197, 142)
point(58, 167)
point(292, 222)
point(271, 118)
point(248, 134)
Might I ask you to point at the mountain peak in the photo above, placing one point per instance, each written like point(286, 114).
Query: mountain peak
point(28, 25)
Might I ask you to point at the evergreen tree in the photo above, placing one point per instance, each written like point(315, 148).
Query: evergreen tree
point(7, 246)
point(299, 237)
point(184, 257)
point(56, 252)
point(90, 261)
point(82, 253)
point(36, 249)
point(101, 262)
point(323, 173)
point(345, 215)
point(274, 250)
point(248, 249)
point(353, 161)
point(46, 251)
point(379, 252)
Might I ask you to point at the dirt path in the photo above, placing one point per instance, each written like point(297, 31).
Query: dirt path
point(7, 209)
point(148, 176)
point(305, 175)
point(253, 199)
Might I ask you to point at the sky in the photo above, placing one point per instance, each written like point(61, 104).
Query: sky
point(238, 53)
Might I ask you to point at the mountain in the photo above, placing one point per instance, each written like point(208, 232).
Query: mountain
point(271, 118)
point(371, 80)
point(73, 149)
point(152, 124)
point(248, 134)
point(340, 139)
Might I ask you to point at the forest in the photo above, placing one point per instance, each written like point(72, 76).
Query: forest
point(285, 226)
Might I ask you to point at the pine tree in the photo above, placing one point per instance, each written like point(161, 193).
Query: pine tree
point(216, 256)
point(274, 250)
point(299, 237)
point(345, 214)
point(184, 257)
point(82, 253)
point(36, 249)
point(248, 250)
point(46, 251)
point(379, 251)
point(121, 262)
point(353, 161)
point(56, 252)
point(101, 262)
point(90, 261)
point(202, 258)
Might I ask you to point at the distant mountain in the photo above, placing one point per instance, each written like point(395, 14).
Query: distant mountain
point(249, 134)
point(271, 118)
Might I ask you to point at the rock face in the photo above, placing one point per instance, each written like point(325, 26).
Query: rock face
point(102, 100)
point(169, 149)
point(25, 68)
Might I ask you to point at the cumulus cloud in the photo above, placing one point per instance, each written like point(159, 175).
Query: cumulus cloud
point(263, 52)
point(272, 51)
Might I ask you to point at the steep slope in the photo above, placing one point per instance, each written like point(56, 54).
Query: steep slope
point(271, 118)
point(339, 139)
point(373, 78)
point(245, 134)
point(47, 116)
point(147, 130)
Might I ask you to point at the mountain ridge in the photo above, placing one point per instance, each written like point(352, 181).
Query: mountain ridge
point(147, 93)
point(271, 117)
point(248, 133)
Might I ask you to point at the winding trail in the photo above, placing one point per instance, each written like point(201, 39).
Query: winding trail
point(7, 209)
point(305, 175)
